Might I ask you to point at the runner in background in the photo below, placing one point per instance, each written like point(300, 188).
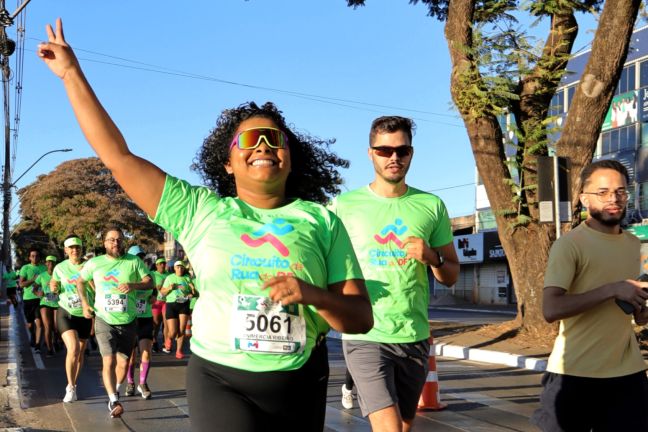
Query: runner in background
point(31, 301)
point(178, 290)
point(158, 306)
point(49, 304)
point(117, 276)
point(10, 280)
point(144, 299)
point(74, 327)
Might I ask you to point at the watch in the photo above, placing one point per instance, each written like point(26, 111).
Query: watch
point(441, 260)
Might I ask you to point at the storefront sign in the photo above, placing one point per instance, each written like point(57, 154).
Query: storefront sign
point(470, 248)
point(493, 250)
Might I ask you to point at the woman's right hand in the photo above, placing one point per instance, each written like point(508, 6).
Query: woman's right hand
point(56, 53)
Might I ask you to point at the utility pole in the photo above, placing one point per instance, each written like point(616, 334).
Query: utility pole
point(7, 48)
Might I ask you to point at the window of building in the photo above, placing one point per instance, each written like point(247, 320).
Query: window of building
point(571, 91)
point(643, 196)
point(556, 107)
point(627, 80)
point(643, 74)
point(620, 139)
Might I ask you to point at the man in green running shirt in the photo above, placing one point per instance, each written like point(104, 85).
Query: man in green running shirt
point(116, 277)
point(31, 301)
point(397, 232)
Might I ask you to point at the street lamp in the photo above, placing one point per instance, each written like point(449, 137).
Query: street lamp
point(6, 189)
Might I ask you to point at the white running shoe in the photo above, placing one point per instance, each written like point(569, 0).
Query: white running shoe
point(70, 394)
point(347, 397)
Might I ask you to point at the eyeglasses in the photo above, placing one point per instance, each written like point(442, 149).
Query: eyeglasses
point(114, 240)
point(250, 139)
point(386, 151)
point(605, 196)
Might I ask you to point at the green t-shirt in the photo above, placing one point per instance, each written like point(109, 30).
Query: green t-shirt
point(398, 286)
point(143, 303)
point(158, 280)
point(180, 293)
point(194, 299)
point(66, 274)
point(27, 272)
point(11, 279)
point(233, 247)
point(49, 298)
point(107, 273)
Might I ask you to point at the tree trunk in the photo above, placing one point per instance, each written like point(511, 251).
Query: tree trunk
point(527, 247)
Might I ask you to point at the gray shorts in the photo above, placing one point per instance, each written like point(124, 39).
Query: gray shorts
point(388, 374)
point(115, 339)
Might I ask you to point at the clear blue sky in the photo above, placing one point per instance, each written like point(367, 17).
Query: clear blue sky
point(388, 55)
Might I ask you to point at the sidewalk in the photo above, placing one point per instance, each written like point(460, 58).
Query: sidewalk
point(468, 346)
point(9, 376)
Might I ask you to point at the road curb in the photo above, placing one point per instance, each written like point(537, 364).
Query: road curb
point(485, 356)
point(486, 311)
point(493, 357)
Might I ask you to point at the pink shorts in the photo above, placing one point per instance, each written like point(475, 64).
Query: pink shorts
point(158, 307)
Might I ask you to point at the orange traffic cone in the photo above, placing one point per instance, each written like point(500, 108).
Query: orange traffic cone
point(431, 396)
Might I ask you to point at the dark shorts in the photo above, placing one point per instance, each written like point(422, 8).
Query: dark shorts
point(388, 374)
point(115, 339)
point(574, 404)
point(49, 307)
point(66, 321)
point(174, 310)
point(11, 292)
point(31, 309)
point(144, 328)
point(235, 400)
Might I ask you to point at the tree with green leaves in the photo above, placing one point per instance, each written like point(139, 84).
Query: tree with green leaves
point(497, 71)
point(80, 196)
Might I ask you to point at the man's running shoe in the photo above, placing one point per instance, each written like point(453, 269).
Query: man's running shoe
point(144, 390)
point(70, 394)
point(166, 350)
point(156, 347)
point(37, 350)
point(115, 408)
point(130, 389)
point(347, 397)
point(50, 353)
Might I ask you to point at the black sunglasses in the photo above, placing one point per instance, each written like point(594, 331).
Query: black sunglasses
point(386, 151)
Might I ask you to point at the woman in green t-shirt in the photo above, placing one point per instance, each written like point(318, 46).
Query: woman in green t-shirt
point(48, 303)
point(275, 269)
point(179, 290)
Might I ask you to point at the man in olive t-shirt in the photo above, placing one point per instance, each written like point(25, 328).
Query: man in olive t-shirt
point(115, 276)
point(595, 377)
point(397, 232)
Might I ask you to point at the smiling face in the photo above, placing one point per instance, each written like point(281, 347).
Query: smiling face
point(74, 252)
point(262, 170)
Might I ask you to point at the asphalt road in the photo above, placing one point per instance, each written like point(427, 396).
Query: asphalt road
point(480, 397)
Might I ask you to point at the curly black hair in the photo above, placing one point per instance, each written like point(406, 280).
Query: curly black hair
point(314, 175)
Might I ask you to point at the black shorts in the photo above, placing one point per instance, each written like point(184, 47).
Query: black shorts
point(50, 307)
point(574, 404)
point(11, 292)
point(144, 328)
point(224, 398)
point(66, 321)
point(174, 310)
point(31, 309)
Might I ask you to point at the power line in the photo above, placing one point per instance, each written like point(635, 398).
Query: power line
point(147, 67)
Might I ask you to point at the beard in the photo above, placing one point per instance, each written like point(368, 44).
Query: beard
point(609, 221)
